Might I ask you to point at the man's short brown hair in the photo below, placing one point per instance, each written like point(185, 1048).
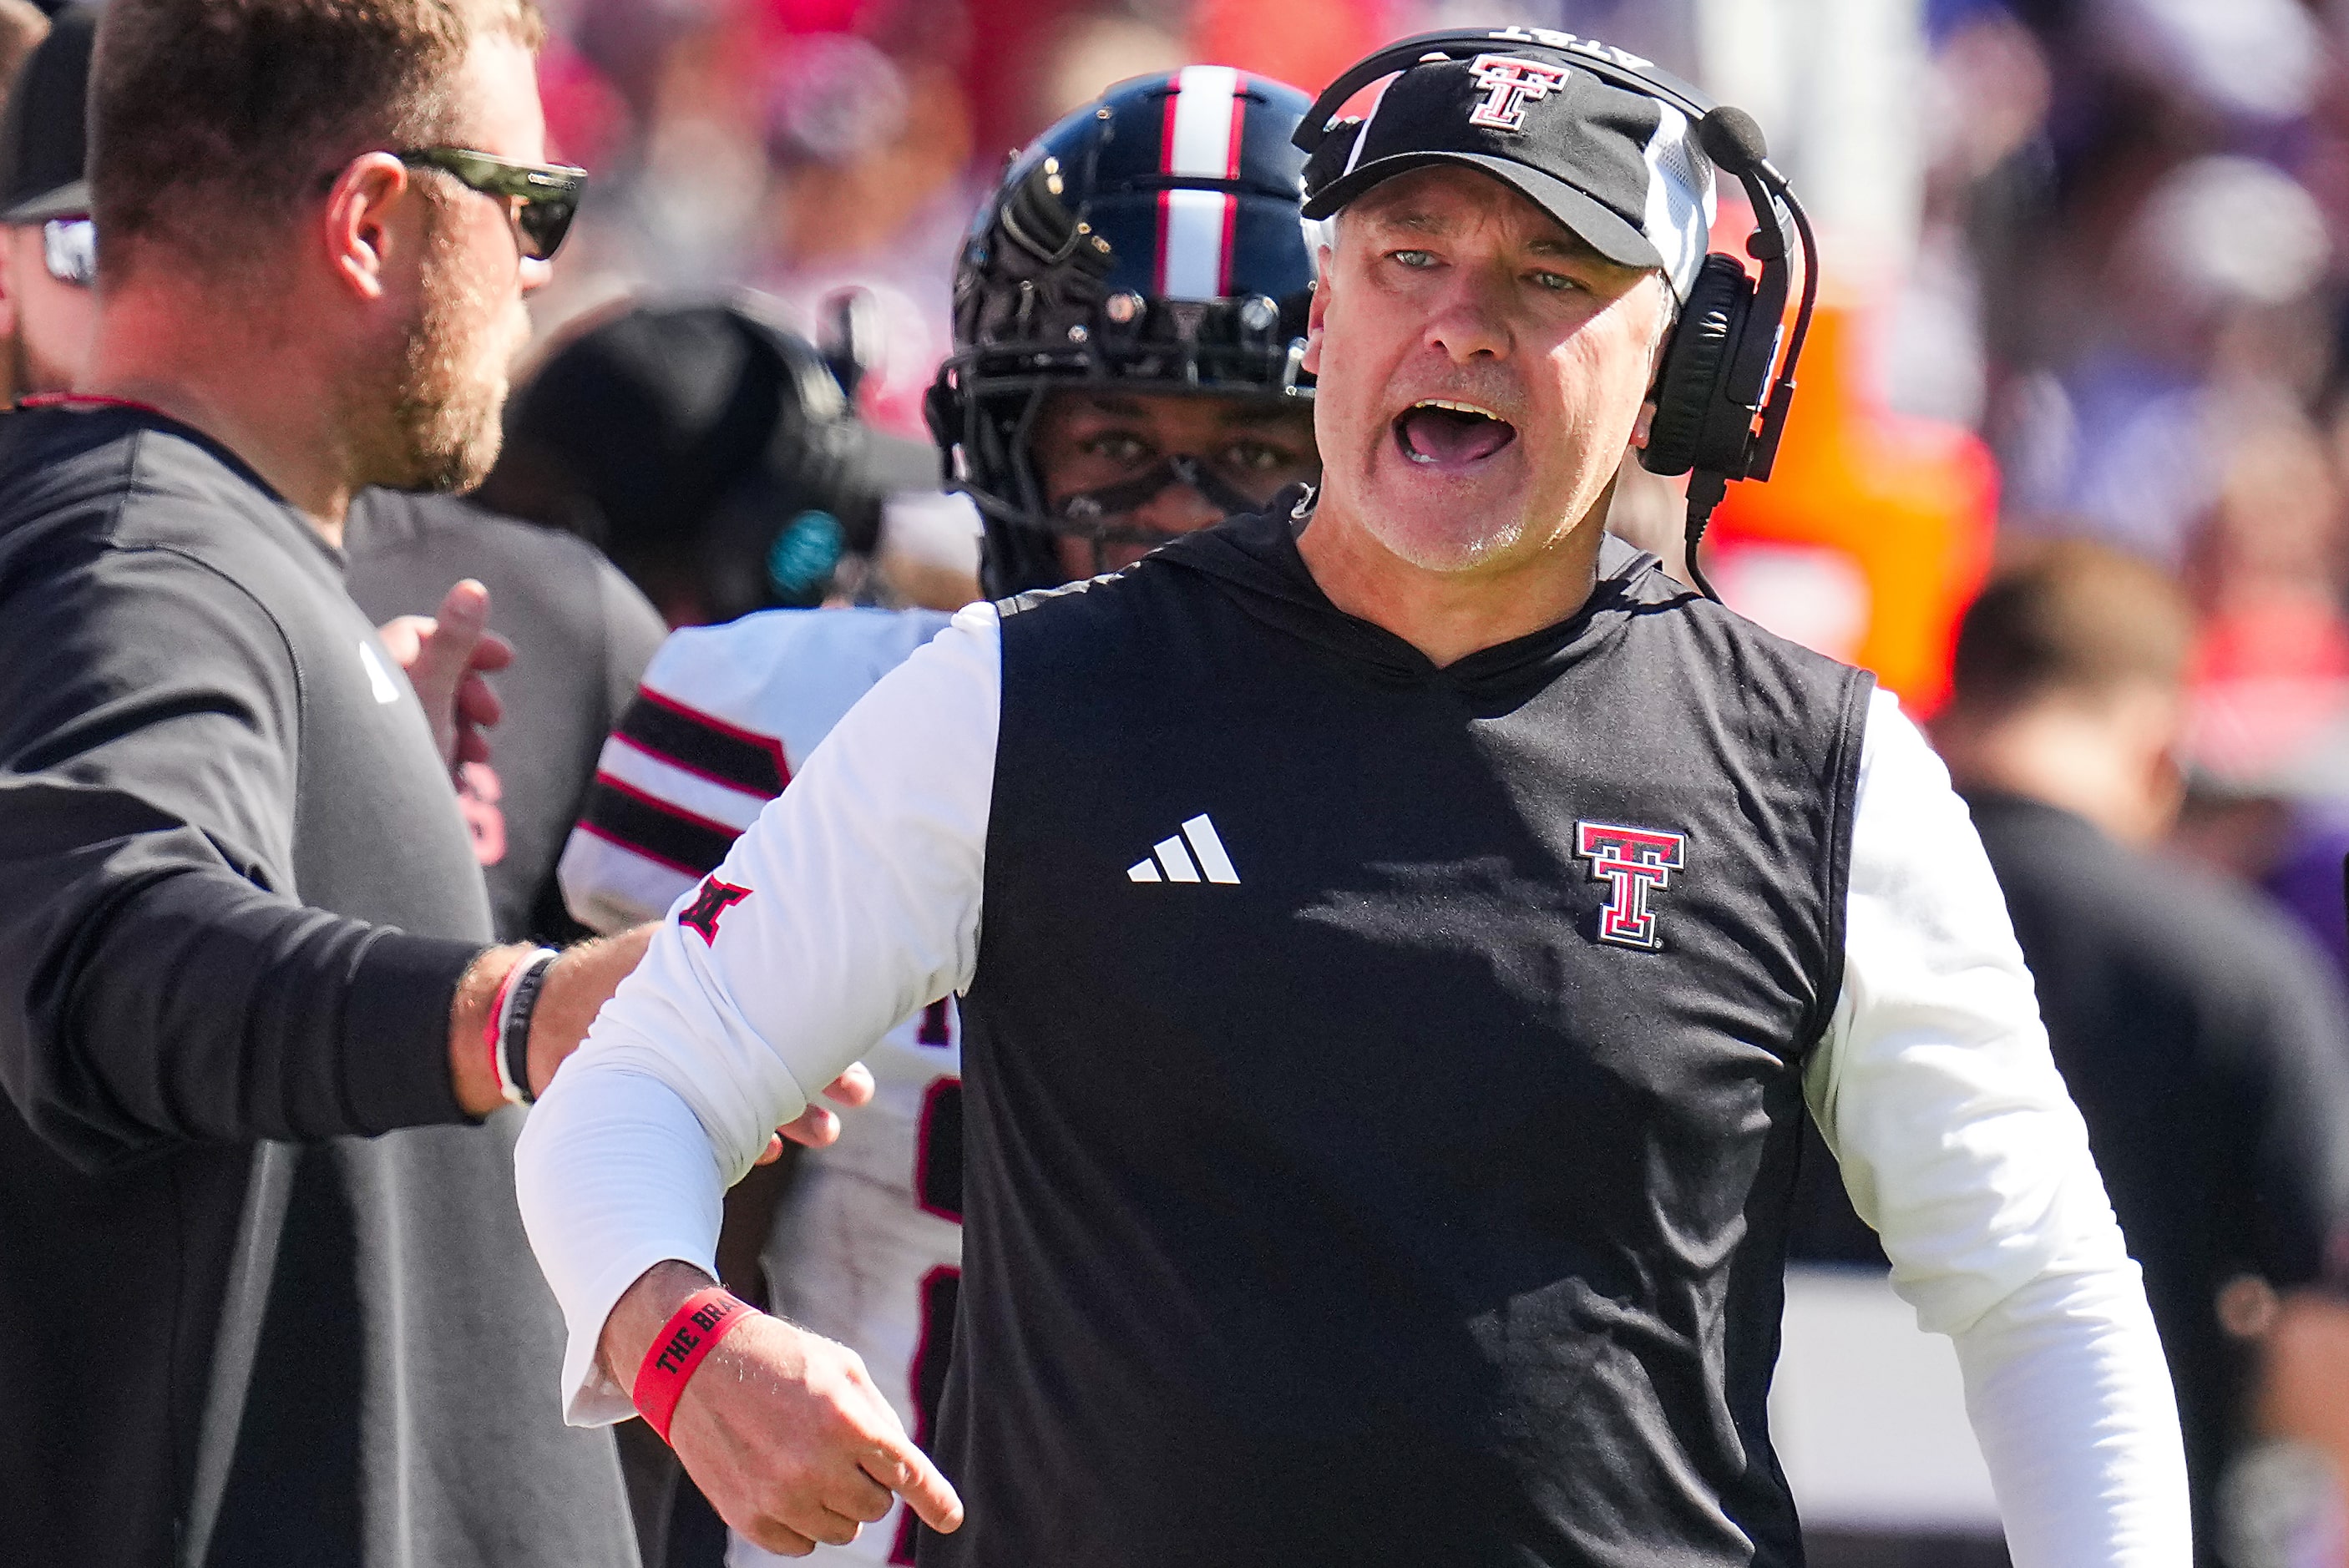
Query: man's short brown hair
point(210, 116)
point(2071, 619)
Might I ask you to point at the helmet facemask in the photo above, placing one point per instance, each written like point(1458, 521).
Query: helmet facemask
point(1068, 281)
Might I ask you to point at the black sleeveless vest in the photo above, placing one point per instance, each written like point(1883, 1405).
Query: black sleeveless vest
point(1382, 1082)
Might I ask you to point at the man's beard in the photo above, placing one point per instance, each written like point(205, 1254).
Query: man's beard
point(28, 375)
point(445, 406)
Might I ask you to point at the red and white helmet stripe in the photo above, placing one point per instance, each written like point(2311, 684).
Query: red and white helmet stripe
point(1205, 119)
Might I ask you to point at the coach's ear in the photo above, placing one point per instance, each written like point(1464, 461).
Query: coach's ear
point(1316, 313)
point(1643, 425)
point(360, 225)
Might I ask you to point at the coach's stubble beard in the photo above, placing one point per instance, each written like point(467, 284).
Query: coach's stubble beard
point(453, 376)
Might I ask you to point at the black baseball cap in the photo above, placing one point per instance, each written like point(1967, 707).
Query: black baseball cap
point(663, 428)
point(44, 131)
point(1619, 167)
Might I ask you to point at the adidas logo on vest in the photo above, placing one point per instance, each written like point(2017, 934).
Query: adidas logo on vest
point(1170, 861)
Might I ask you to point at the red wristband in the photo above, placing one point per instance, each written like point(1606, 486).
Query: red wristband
point(496, 1016)
point(690, 1334)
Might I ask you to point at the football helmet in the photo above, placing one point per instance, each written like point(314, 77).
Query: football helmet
point(1151, 242)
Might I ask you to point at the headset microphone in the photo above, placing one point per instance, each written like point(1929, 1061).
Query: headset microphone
point(1733, 140)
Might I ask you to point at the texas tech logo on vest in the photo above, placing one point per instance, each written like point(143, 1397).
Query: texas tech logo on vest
point(1635, 863)
point(1509, 84)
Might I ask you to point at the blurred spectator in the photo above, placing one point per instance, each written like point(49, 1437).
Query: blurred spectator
point(2267, 748)
point(48, 252)
point(711, 454)
point(1986, 99)
point(869, 157)
point(2206, 1045)
point(2153, 196)
point(2264, 566)
point(2129, 431)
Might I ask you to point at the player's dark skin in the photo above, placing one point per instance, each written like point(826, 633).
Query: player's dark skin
point(1089, 441)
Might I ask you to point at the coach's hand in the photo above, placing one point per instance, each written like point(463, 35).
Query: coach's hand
point(783, 1430)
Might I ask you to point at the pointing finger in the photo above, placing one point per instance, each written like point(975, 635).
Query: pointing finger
point(907, 1472)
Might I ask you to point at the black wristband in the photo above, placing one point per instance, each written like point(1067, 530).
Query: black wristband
point(515, 1032)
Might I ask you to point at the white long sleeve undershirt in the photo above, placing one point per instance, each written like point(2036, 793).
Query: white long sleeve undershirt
point(1933, 1086)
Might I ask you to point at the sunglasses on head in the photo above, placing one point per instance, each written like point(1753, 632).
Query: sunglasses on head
point(548, 192)
point(69, 251)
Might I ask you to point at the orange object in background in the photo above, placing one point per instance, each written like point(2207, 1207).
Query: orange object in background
point(1874, 531)
point(1305, 43)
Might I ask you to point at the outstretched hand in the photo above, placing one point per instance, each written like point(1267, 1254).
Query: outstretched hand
point(783, 1430)
point(446, 657)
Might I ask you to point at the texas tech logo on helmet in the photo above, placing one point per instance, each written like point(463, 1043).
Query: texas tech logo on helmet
point(1510, 84)
point(1634, 862)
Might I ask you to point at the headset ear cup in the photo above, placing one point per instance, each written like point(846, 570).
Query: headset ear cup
point(1696, 366)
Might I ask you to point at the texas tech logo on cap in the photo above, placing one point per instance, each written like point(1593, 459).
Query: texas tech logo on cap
point(1510, 84)
point(1633, 862)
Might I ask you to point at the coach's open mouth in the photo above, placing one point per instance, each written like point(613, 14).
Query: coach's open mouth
point(1436, 432)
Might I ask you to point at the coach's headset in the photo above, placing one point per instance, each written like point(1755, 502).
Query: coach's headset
point(1718, 414)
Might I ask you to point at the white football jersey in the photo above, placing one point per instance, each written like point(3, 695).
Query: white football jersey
point(867, 1248)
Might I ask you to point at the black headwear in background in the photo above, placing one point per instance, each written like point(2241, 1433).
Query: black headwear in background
point(708, 453)
point(45, 137)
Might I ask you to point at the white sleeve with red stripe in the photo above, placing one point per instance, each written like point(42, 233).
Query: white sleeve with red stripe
point(725, 714)
point(850, 903)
